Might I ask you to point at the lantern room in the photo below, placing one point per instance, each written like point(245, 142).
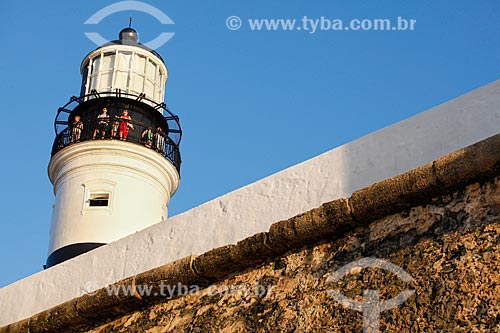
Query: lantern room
point(124, 65)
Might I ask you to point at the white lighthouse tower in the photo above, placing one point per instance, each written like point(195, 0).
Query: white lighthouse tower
point(115, 160)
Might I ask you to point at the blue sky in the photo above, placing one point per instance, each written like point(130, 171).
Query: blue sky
point(251, 103)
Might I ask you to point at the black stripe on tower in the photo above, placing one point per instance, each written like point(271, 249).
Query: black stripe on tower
point(69, 251)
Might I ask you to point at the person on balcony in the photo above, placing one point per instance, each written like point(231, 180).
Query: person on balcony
point(125, 124)
point(76, 129)
point(114, 127)
point(103, 123)
point(159, 140)
point(147, 137)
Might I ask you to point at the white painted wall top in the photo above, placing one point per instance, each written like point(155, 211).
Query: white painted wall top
point(253, 208)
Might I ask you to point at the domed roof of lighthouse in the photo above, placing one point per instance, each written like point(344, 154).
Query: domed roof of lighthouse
point(129, 36)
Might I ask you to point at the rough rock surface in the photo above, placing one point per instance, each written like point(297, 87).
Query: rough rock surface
point(450, 247)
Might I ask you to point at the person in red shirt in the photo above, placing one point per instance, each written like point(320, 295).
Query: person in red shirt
point(125, 124)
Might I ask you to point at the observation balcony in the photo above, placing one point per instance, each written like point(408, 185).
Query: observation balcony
point(151, 124)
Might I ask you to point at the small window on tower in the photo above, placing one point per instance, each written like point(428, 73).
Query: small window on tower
point(99, 200)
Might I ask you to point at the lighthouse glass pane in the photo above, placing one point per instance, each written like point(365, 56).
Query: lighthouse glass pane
point(94, 72)
point(121, 80)
point(149, 89)
point(93, 82)
point(95, 65)
point(157, 93)
point(108, 61)
point(159, 86)
point(107, 79)
point(122, 74)
point(106, 69)
point(124, 60)
point(137, 83)
point(158, 96)
point(151, 70)
point(137, 74)
point(139, 64)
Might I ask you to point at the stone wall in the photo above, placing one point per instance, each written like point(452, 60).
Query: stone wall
point(254, 208)
point(439, 223)
point(450, 247)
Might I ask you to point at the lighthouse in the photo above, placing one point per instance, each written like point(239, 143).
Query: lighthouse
point(115, 161)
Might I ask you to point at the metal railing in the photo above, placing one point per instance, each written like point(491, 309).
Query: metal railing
point(119, 129)
point(61, 121)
